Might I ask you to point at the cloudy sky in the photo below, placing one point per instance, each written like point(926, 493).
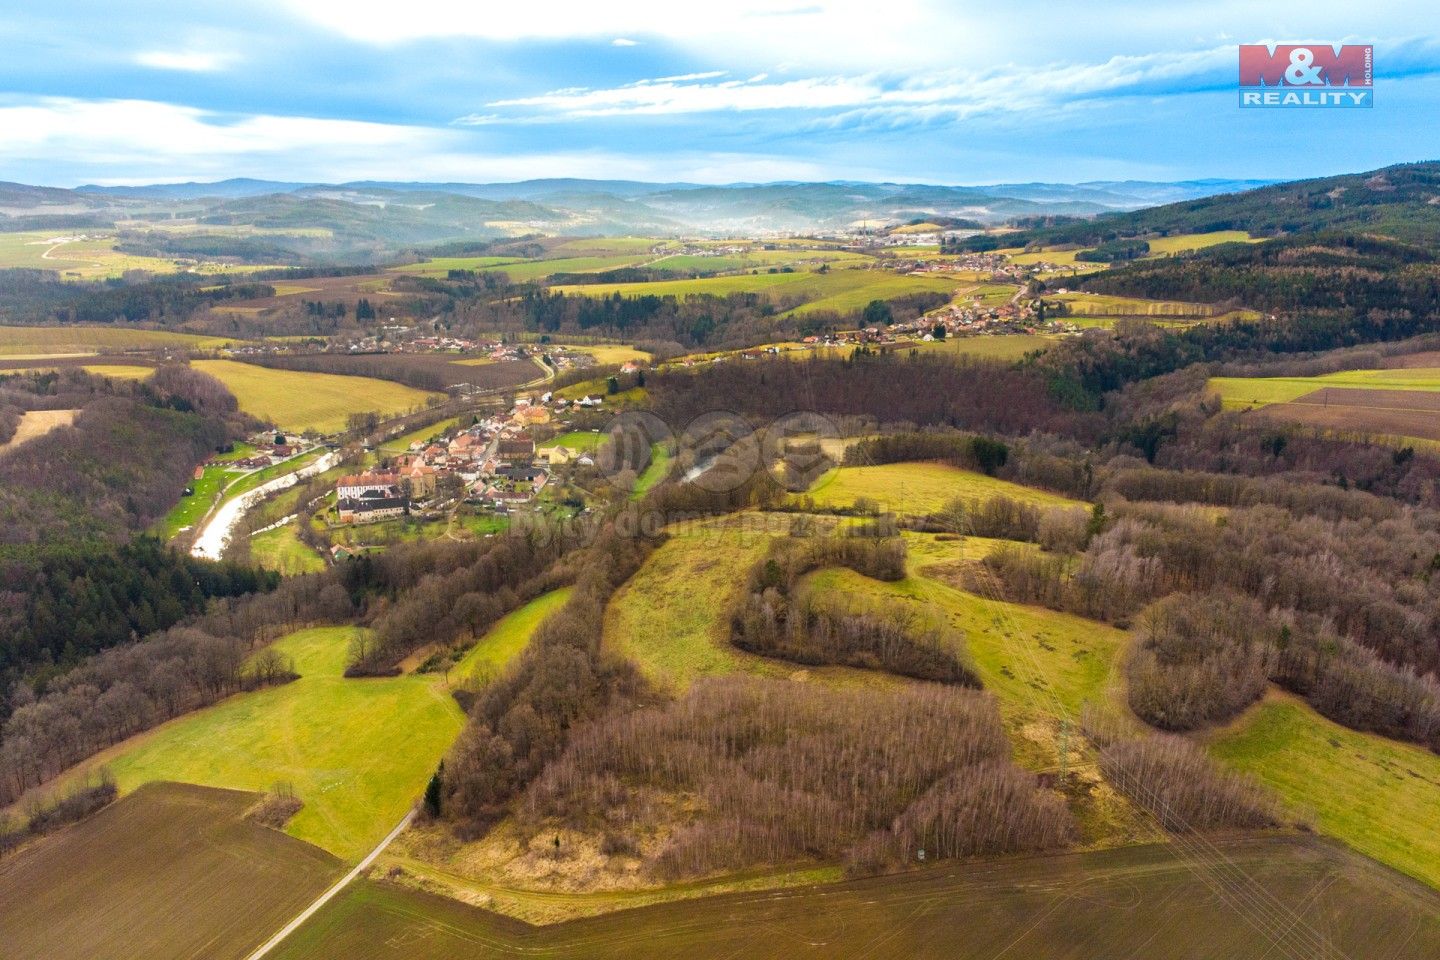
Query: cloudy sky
point(942, 91)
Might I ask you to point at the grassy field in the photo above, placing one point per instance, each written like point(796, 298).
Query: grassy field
point(36, 342)
point(918, 488)
point(1108, 305)
point(1376, 795)
point(190, 510)
point(333, 739)
point(1243, 392)
point(655, 621)
point(503, 642)
point(309, 401)
point(93, 258)
point(1138, 902)
point(660, 457)
point(401, 444)
point(169, 871)
point(611, 353)
point(1182, 242)
point(839, 289)
point(1029, 657)
point(440, 266)
point(575, 440)
point(282, 551)
point(853, 292)
point(37, 423)
point(1010, 346)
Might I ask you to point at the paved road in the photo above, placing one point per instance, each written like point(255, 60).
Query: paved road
point(328, 895)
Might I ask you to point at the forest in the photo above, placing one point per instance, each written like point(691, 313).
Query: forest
point(76, 575)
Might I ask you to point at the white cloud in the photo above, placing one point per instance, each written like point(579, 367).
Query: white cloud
point(190, 61)
point(624, 42)
point(140, 141)
point(949, 93)
point(819, 31)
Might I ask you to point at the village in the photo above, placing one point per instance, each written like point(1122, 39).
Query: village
point(495, 463)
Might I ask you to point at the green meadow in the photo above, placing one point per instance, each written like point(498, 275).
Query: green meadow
point(357, 752)
point(1379, 796)
point(920, 488)
point(505, 641)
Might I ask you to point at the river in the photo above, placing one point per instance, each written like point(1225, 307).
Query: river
point(215, 535)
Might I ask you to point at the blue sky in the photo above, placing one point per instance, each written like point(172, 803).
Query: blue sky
point(748, 90)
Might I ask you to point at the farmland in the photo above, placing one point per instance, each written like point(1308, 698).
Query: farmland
point(913, 489)
point(40, 342)
point(840, 289)
point(1376, 795)
point(309, 401)
point(169, 871)
point(1399, 402)
point(1140, 901)
point(329, 737)
point(85, 257)
point(1003, 347)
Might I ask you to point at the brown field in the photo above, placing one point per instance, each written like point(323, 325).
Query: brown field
point(1406, 413)
point(1136, 902)
point(37, 423)
point(1429, 359)
point(172, 871)
point(373, 287)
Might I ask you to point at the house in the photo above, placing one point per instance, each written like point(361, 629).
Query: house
point(465, 445)
point(356, 485)
point(369, 496)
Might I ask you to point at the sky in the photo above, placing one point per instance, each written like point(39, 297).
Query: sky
point(935, 91)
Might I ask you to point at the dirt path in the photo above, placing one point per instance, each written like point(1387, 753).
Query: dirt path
point(329, 895)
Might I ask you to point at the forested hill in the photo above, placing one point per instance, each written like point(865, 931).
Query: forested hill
point(1358, 277)
point(1402, 201)
point(76, 575)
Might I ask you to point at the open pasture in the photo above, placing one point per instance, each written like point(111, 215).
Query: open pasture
point(655, 621)
point(505, 641)
point(1376, 795)
point(915, 489)
point(1100, 905)
point(309, 401)
point(333, 739)
point(169, 871)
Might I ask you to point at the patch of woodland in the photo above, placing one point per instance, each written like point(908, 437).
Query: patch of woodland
point(781, 771)
point(780, 617)
point(1344, 612)
point(76, 804)
point(522, 720)
point(1178, 784)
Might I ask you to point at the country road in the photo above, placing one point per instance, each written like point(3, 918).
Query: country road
point(329, 894)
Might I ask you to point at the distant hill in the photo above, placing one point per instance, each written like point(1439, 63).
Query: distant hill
point(314, 222)
point(1401, 201)
point(238, 187)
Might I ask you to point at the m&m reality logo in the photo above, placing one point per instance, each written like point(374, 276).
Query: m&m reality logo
point(1307, 75)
